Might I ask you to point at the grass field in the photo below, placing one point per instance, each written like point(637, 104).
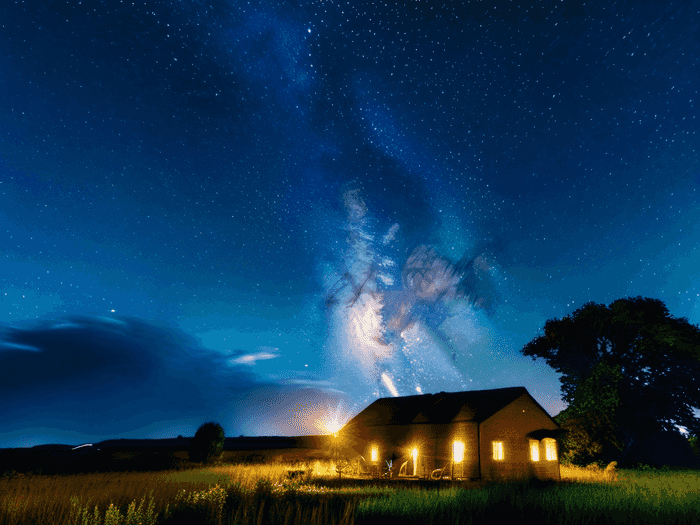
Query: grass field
point(241, 495)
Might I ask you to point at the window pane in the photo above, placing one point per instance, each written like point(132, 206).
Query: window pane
point(497, 450)
point(551, 449)
point(458, 451)
point(534, 450)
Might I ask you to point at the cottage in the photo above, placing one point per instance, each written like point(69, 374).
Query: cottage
point(483, 434)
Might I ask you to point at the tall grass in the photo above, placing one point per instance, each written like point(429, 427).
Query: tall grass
point(241, 495)
point(73, 499)
point(146, 498)
point(638, 498)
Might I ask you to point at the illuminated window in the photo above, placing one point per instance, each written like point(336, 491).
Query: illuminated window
point(458, 451)
point(534, 450)
point(497, 449)
point(375, 454)
point(550, 449)
point(414, 453)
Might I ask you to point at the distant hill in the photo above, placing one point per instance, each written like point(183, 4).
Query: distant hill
point(182, 443)
point(52, 447)
point(153, 454)
point(239, 443)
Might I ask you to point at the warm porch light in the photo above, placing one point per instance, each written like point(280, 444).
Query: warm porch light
point(458, 451)
point(375, 454)
point(497, 449)
point(550, 449)
point(534, 450)
point(414, 453)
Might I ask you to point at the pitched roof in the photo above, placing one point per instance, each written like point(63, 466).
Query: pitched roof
point(475, 405)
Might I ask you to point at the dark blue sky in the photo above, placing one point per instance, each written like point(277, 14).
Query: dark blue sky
point(264, 214)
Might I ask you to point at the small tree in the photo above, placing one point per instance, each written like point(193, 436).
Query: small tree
point(207, 446)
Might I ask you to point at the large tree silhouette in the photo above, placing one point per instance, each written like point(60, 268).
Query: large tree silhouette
point(628, 369)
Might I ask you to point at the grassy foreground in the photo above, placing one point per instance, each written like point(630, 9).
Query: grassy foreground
point(228, 495)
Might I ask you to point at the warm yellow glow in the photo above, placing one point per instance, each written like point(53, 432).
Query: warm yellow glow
point(375, 454)
point(414, 453)
point(497, 449)
point(329, 425)
point(550, 449)
point(458, 451)
point(534, 450)
point(331, 421)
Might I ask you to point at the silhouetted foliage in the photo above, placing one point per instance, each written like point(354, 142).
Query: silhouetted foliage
point(207, 446)
point(628, 369)
point(590, 421)
point(694, 445)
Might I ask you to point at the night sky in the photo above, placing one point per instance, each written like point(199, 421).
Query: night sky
point(270, 214)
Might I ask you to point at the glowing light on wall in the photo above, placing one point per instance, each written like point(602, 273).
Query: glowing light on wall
point(375, 454)
point(550, 449)
point(458, 451)
point(534, 450)
point(390, 386)
point(414, 453)
point(497, 450)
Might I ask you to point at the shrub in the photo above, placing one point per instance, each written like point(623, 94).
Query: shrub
point(207, 446)
point(205, 506)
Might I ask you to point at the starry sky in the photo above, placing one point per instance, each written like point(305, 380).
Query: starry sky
point(270, 214)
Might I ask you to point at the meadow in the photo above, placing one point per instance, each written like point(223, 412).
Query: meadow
point(265, 494)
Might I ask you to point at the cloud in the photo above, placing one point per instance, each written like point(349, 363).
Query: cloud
point(92, 378)
point(251, 359)
point(7, 346)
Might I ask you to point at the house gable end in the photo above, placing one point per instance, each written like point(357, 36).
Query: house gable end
point(466, 413)
point(542, 410)
point(542, 415)
point(420, 418)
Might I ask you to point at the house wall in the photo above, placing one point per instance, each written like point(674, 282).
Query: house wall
point(511, 425)
point(467, 433)
point(434, 444)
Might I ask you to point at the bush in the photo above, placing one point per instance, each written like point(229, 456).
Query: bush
point(207, 446)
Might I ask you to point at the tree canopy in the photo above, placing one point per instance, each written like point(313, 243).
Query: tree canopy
point(627, 369)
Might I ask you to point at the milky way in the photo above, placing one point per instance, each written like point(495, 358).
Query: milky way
point(387, 310)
